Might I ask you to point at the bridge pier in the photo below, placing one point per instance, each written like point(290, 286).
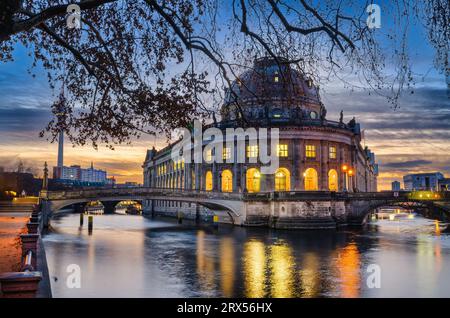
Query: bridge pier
point(80, 207)
point(109, 207)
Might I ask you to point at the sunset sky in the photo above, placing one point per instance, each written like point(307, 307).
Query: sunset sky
point(413, 138)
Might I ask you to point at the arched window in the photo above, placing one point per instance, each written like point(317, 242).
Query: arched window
point(282, 179)
point(332, 180)
point(311, 180)
point(253, 177)
point(209, 181)
point(227, 181)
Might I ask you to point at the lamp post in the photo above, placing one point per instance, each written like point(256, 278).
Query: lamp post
point(344, 170)
point(350, 179)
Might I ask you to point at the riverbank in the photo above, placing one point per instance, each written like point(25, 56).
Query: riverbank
point(12, 225)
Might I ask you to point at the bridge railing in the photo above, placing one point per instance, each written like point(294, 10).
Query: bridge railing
point(274, 195)
point(136, 192)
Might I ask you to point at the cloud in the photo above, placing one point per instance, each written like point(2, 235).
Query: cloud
point(407, 164)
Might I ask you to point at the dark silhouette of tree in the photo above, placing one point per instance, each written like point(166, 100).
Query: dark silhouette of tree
point(151, 65)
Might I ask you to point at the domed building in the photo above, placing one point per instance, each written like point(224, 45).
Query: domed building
point(315, 153)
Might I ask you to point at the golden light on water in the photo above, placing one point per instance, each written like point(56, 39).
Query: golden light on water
point(282, 266)
point(205, 265)
point(437, 229)
point(309, 275)
point(254, 265)
point(227, 266)
point(348, 265)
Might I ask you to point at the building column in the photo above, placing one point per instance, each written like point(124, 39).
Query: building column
point(197, 176)
point(235, 177)
point(323, 177)
point(215, 177)
point(243, 179)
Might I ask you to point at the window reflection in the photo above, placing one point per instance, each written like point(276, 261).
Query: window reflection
point(254, 265)
point(227, 261)
point(282, 266)
point(348, 264)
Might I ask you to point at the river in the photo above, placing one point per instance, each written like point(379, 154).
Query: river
point(133, 256)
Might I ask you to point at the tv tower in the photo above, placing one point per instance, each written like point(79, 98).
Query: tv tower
point(60, 114)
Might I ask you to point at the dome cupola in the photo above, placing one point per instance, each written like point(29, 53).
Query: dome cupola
point(272, 89)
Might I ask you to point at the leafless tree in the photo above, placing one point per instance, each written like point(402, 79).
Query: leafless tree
point(150, 65)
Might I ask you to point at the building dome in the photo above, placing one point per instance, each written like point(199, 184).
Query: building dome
point(272, 89)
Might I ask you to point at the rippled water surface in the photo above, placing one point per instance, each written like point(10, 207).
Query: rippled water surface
point(132, 256)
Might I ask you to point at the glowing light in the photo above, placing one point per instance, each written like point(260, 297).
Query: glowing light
point(350, 172)
point(349, 264)
point(391, 217)
point(254, 263)
point(344, 168)
point(437, 228)
point(282, 265)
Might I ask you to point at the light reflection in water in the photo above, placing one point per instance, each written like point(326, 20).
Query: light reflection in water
point(348, 264)
point(227, 266)
point(205, 264)
point(254, 266)
point(136, 257)
point(437, 228)
point(309, 275)
point(282, 266)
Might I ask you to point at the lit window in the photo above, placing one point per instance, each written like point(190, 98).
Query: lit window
point(182, 163)
point(282, 180)
point(253, 180)
point(311, 180)
point(310, 151)
point(282, 150)
point(227, 181)
point(252, 151)
point(226, 153)
point(209, 181)
point(332, 152)
point(276, 79)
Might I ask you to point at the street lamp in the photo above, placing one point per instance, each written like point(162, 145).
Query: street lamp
point(350, 175)
point(345, 169)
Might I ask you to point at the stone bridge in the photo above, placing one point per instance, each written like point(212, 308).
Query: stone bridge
point(290, 209)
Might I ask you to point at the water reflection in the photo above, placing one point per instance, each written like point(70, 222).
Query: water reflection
point(227, 266)
point(131, 256)
point(254, 266)
point(282, 267)
point(310, 275)
point(348, 264)
point(205, 264)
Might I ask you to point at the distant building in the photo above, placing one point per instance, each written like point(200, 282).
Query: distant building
point(19, 182)
point(422, 181)
point(395, 186)
point(79, 176)
point(444, 184)
point(75, 175)
point(111, 182)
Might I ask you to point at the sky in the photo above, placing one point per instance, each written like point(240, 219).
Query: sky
point(413, 138)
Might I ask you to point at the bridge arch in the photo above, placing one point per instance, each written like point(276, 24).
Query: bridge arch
point(230, 202)
point(372, 206)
